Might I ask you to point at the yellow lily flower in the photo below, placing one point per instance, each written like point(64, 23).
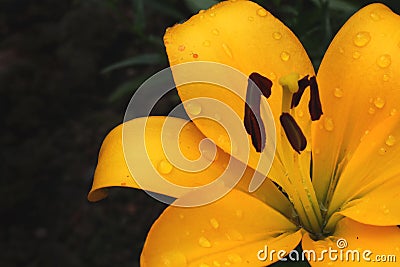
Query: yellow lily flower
point(345, 198)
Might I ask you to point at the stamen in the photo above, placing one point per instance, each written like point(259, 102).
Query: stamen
point(263, 83)
point(293, 132)
point(252, 118)
point(314, 106)
point(303, 83)
point(280, 188)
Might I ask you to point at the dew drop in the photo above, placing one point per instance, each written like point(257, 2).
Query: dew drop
point(341, 50)
point(317, 151)
point(234, 235)
point(262, 12)
point(382, 151)
point(272, 76)
point(386, 211)
point(204, 242)
point(361, 39)
point(391, 140)
point(338, 92)
point(201, 11)
point(277, 35)
point(393, 112)
point(215, 31)
point(181, 48)
point(384, 61)
point(181, 216)
point(204, 265)
point(374, 16)
point(300, 113)
point(193, 108)
point(356, 55)
point(216, 264)
point(385, 77)
point(227, 50)
point(214, 223)
point(371, 111)
point(217, 116)
point(227, 263)
point(285, 56)
point(206, 43)
point(250, 18)
point(328, 124)
point(164, 167)
point(212, 14)
point(173, 259)
point(379, 102)
point(234, 258)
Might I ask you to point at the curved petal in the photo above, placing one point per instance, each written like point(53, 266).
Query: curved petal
point(369, 188)
point(356, 245)
point(359, 82)
point(112, 169)
point(229, 231)
point(247, 38)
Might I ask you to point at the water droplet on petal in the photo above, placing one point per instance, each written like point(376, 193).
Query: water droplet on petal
point(164, 167)
point(234, 235)
point(382, 151)
point(338, 92)
point(216, 264)
point(212, 14)
point(371, 111)
point(393, 112)
point(341, 50)
point(379, 102)
point(215, 31)
point(272, 76)
point(181, 48)
point(239, 214)
point(227, 263)
point(217, 116)
point(391, 140)
point(328, 124)
point(214, 223)
point(262, 12)
point(374, 16)
point(204, 265)
point(234, 258)
point(386, 211)
point(250, 18)
point(204, 242)
point(356, 55)
point(193, 108)
point(384, 61)
point(300, 113)
point(173, 259)
point(277, 35)
point(206, 43)
point(385, 77)
point(227, 50)
point(361, 39)
point(181, 216)
point(285, 56)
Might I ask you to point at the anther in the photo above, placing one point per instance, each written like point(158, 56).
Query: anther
point(314, 106)
point(303, 83)
point(293, 132)
point(263, 83)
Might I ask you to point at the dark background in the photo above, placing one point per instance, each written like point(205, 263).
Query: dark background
point(61, 92)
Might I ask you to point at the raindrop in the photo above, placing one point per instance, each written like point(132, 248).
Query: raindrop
point(193, 108)
point(300, 113)
point(181, 48)
point(391, 140)
point(214, 223)
point(386, 211)
point(206, 43)
point(384, 61)
point(164, 167)
point(379, 102)
point(262, 12)
point(393, 112)
point(385, 77)
point(361, 39)
point(217, 116)
point(212, 14)
point(250, 18)
point(272, 76)
point(382, 151)
point(239, 214)
point(328, 124)
point(341, 50)
point(285, 56)
point(234, 235)
point(174, 259)
point(181, 216)
point(215, 31)
point(277, 35)
point(374, 16)
point(216, 264)
point(204, 242)
point(227, 50)
point(234, 258)
point(356, 55)
point(338, 92)
point(371, 111)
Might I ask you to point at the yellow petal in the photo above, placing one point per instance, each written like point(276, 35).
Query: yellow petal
point(369, 187)
point(228, 232)
point(374, 246)
point(112, 169)
point(243, 36)
point(359, 81)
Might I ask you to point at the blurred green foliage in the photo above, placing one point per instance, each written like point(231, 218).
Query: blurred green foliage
point(67, 71)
